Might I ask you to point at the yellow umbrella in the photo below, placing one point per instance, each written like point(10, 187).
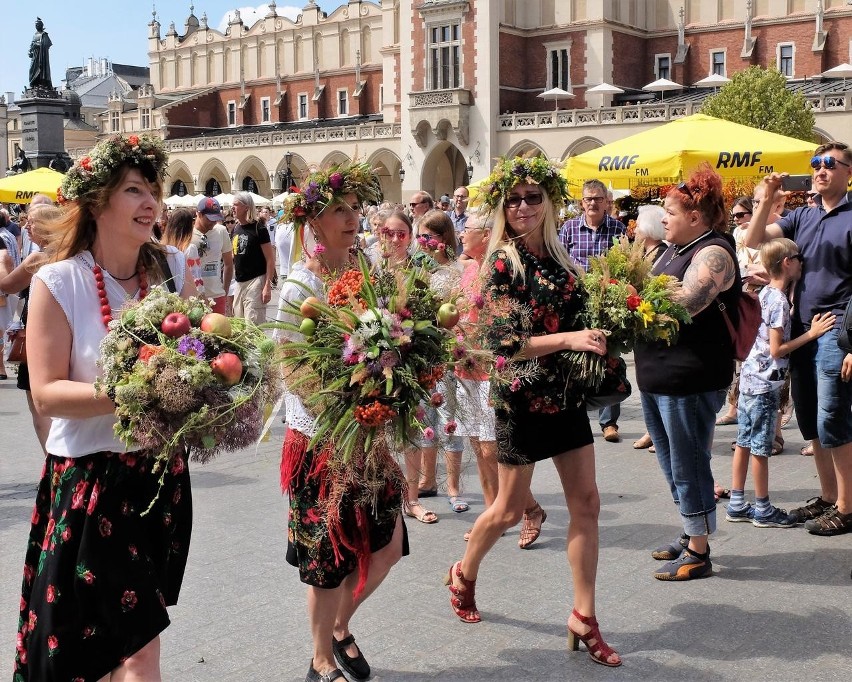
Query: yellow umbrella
point(670, 152)
point(20, 188)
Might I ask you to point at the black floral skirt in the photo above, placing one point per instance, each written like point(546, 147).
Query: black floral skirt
point(99, 572)
point(324, 556)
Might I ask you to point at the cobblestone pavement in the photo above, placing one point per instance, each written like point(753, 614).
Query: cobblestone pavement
point(777, 608)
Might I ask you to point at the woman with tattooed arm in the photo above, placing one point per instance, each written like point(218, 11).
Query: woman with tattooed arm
point(683, 385)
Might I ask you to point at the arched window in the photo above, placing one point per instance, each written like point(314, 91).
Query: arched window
point(212, 187)
point(179, 188)
point(249, 185)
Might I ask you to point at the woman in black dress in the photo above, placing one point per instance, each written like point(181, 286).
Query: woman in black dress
point(535, 300)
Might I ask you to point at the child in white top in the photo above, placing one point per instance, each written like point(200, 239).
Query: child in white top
point(761, 380)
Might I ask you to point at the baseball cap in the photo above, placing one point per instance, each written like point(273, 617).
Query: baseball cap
point(210, 209)
point(445, 198)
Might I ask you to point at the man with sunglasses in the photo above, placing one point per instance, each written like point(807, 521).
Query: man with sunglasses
point(821, 371)
point(213, 242)
point(419, 205)
point(591, 235)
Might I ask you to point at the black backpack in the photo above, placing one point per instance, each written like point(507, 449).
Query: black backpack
point(844, 336)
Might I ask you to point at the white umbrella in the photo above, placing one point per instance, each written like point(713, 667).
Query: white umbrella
point(843, 71)
point(173, 201)
point(278, 199)
point(605, 89)
point(225, 199)
point(661, 85)
point(555, 94)
point(259, 200)
point(712, 81)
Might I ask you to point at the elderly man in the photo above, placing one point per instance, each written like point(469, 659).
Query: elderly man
point(591, 235)
point(420, 204)
point(821, 372)
point(458, 214)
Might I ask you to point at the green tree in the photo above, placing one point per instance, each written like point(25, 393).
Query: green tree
point(759, 98)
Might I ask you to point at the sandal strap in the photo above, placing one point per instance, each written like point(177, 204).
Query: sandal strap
point(346, 641)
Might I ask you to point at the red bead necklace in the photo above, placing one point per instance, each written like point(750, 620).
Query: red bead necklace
point(106, 309)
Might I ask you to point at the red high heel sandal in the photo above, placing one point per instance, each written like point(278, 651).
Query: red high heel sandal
point(599, 650)
point(463, 600)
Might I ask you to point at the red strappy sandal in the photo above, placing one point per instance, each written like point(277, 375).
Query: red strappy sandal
point(599, 651)
point(463, 600)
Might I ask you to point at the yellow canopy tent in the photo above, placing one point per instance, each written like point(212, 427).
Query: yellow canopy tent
point(20, 188)
point(669, 152)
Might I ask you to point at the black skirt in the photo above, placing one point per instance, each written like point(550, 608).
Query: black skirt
point(99, 571)
point(525, 437)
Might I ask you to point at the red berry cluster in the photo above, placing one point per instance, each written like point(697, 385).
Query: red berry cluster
point(430, 378)
point(348, 284)
point(374, 414)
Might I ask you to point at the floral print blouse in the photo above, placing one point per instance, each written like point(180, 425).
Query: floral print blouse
point(550, 300)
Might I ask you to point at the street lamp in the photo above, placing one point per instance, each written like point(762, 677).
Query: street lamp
point(288, 175)
point(401, 174)
point(470, 168)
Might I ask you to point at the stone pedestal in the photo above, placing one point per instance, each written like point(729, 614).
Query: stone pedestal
point(42, 126)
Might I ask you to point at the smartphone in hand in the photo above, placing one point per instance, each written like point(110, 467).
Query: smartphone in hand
point(796, 183)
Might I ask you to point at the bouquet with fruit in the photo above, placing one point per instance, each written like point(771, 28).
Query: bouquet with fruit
point(182, 376)
point(370, 355)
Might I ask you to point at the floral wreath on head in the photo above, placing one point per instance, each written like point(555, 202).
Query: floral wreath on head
point(508, 173)
point(323, 188)
point(96, 168)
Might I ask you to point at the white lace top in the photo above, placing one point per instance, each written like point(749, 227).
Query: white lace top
point(72, 284)
point(298, 417)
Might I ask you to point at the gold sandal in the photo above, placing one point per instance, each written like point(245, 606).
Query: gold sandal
point(425, 515)
point(534, 517)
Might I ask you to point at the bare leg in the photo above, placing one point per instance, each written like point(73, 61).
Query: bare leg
point(739, 468)
point(453, 460)
point(143, 666)
point(825, 470)
point(381, 563)
point(760, 472)
point(507, 509)
point(486, 463)
point(429, 468)
point(842, 457)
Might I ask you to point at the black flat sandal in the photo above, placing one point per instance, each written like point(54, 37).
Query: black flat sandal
point(314, 676)
point(356, 666)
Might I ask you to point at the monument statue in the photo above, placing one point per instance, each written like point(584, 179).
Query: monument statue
point(40, 64)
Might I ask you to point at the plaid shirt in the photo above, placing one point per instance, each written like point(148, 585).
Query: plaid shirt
point(581, 241)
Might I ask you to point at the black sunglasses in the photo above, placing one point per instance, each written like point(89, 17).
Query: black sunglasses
point(796, 256)
point(739, 215)
point(683, 187)
point(827, 162)
point(530, 199)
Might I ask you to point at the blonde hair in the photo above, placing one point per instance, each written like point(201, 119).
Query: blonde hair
point(773, 252)
point(503, 238)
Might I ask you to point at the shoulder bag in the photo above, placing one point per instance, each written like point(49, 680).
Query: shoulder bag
point(743, 336)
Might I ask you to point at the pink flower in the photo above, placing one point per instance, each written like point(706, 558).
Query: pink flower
point(500, 362)
point(319, 249)
point(515, 385)
point(436, 400)
point(478, 301)
point(450, 428)
point(335, 180)
point(420, 413)
point(429, 433)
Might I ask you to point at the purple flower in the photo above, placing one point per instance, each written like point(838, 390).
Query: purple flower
point(191, 346)
point(388, 359)
point(335, 180)
point(312, 193)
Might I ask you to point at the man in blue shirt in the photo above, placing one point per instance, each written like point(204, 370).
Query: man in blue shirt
point(458, 212)
point(820, 370)
point(591, 235)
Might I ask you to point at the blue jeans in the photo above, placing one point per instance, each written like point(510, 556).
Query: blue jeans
point(821, 398)
point(681, 427)
point(608, 416)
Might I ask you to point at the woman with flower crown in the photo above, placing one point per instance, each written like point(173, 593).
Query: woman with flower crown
point(342, 562)
point(532, 312)
point(98, 573)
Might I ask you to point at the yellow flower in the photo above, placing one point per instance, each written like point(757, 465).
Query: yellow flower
point(646, 310)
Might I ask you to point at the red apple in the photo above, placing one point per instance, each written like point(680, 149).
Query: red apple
point(175, 325)
point(448, 316)
point(309, 309)
point(228, 367)
point(216, 323)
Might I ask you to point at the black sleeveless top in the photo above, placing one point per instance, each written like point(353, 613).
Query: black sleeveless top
point(702, 359)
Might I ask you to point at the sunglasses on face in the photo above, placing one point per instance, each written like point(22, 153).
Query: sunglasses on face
point(827, 162)
point(514, 201)
point(416, 203)
point(394, 234)
point(739, 215)
point(796, 256)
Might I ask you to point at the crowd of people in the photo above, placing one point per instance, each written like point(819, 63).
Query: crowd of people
point(118, 569)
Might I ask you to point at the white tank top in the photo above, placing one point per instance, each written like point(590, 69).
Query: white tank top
point(72, 284)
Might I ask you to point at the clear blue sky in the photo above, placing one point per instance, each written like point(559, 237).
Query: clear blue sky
point(117, 30)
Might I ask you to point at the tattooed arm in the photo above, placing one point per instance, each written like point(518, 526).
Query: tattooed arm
point(710, 273)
